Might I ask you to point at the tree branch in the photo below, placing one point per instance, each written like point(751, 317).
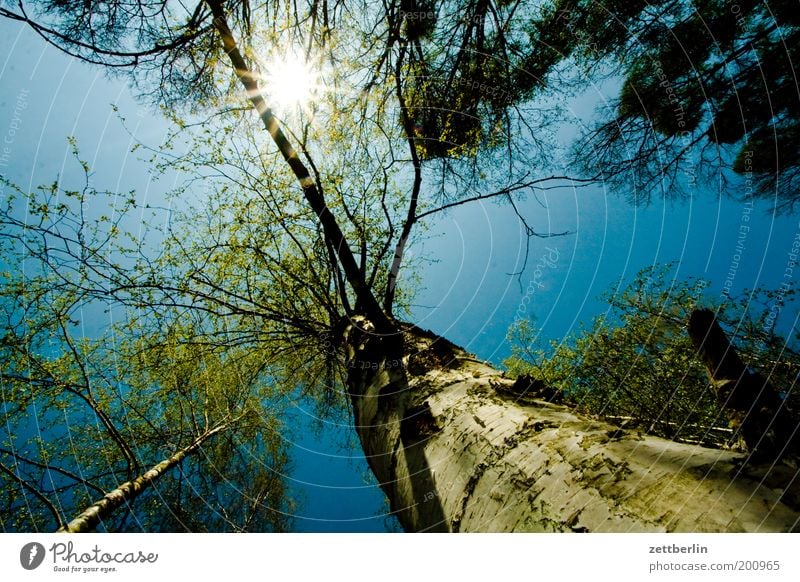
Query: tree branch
point(49, 467)
point(411, 215)
point(48, 34)
point(313, 196)
point(25, 485)
point(575, 182)
point(130, 490)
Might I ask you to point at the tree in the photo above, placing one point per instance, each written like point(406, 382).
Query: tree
point(707, 85)
point(85, 414)
point(299, 254)
point(650, 362)
point(125, 494)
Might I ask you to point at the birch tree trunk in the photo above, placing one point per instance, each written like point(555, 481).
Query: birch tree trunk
point(130, 490)
point(455, 449)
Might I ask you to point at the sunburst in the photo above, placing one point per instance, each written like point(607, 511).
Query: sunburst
point(290, 81)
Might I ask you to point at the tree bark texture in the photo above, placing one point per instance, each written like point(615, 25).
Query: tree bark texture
point(456, 449)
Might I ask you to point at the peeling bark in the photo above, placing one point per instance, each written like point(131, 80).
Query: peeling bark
point(454, 450)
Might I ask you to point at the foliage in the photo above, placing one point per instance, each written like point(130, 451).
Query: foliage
point(707, 84)
point(88, 406)
point(274, 240)
point(637, 363)
point(252, 280)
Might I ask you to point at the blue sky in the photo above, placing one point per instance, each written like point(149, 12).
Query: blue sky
point(62, 98)
point(468, 294)
point(472, 300)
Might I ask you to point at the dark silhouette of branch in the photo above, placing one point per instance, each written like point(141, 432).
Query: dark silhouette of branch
point(38, 494)
point(411, 215)
point(132, 58)
point(49, 467)
point(506, 192)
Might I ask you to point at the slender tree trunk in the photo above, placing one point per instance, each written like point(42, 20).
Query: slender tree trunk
point(753, 406)
point(311, 190)
point(455, 449)
point(130, 490)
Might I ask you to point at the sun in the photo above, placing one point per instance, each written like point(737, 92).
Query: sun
point(290, 81)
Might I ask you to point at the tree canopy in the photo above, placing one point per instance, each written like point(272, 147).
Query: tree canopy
point(88, 407)
point(281, 267)
point(708, 85)
point(275, 240)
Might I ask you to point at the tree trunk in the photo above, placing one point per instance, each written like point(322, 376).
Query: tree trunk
point(130, 490)
point(455, 449)
point(753, 406)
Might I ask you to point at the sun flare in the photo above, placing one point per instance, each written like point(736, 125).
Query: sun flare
point(290, 81)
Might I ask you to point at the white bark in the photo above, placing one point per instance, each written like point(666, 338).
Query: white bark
point(101, 509)
point(454, 452)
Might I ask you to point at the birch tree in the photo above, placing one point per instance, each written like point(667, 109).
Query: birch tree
point(86, 410)
point(306, 261)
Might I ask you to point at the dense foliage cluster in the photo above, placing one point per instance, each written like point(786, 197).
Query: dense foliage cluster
point(637, 364)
